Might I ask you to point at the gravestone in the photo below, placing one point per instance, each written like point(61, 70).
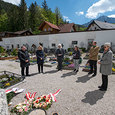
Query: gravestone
point(3, 103)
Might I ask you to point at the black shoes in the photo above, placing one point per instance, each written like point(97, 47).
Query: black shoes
point(90, 73)
point(101, 88)
point(28, 75)
point(93, 75)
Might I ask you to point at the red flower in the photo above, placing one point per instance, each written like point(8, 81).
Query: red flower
point(37, 101)
point(38, 98)
point(44, 97)
point(47, 100)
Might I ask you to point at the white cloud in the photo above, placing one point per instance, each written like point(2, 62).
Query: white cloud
point(112, 16)
point(79, 13)
point(66, 18)
point(16, 2)
point(100, 7)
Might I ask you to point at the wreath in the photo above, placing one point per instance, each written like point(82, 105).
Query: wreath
point(43, 102)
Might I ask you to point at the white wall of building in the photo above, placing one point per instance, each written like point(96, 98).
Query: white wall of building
point(66, 39)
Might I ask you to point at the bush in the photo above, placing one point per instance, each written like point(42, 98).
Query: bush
point(66, 60)
point(70, 53)
point(69, 49)
point(83, 49)
point(14, 52)
point(2, 49)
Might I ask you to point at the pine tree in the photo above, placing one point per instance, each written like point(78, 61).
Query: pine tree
point(23, 15)
point(44, 5)
point(58, 16)
point(32, 10)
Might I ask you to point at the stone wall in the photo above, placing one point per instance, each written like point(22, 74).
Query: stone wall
point(3, 103)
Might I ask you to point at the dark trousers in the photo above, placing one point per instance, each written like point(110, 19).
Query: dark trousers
point(60, 60)
point(93, 65)
point(104, 82)
point(40, 67)
point(23, 69)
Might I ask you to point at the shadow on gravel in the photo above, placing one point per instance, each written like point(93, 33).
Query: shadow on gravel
point(93, 96)
point(51, 72)
point(33, 74)
point(84, 78)
point(68, 74)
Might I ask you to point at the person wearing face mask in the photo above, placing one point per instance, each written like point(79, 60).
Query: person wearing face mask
point(93, 57)
point(60, 56)
point(106, 66)
point(24, 61)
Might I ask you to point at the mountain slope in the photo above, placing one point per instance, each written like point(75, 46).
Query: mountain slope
point(6, 6)
point(103, 19)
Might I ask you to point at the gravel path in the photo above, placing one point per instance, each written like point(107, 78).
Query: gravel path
point(79, 95)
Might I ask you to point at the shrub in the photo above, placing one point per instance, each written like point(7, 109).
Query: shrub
point(2, 49)
point(83, 49)
point(70, 53)
point(69, 49)
point(14, 52)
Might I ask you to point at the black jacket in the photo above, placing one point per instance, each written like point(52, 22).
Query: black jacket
point(23, 56)
point(60, 51)
point(76, 54)
point(39, 55)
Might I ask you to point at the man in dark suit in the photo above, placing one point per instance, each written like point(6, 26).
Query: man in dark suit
point(24, 61)
point(60, 56)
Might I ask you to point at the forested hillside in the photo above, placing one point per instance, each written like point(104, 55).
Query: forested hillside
point(16, 18)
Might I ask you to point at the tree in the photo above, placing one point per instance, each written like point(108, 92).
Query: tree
point(44, 5)
point(23, 15)
point(13, 19)
point(3, 21)
point(32, 20)
point(58, 15)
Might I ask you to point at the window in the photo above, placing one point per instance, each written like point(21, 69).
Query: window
point(7, 47)
point(12, 46)
point(49, 29)
point(45, 30)
point(18, 46)
point(74, 42)
point(53, 45)
point(95, 28)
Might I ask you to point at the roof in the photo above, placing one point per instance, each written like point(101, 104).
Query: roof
point(103, 25)
point(21, 32)
point(50, 24)
point(2, 34)
point(66, 27)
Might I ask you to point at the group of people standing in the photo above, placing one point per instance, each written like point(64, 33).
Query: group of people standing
point(105, 62)
point(25, 60)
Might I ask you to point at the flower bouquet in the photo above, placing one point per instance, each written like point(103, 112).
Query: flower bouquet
point(43, 102)
point(23, 108)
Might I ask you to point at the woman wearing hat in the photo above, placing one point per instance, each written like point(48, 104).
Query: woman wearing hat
point(105, 66)
point(40, 58)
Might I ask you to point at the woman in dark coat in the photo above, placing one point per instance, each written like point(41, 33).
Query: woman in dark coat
point(40, 59)
point(106, 66)
point(24, 60)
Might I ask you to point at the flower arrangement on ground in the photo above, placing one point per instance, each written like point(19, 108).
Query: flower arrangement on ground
point(23, 108)
point(43, 102)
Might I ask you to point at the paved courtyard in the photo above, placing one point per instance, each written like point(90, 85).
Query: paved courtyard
point(79, 95)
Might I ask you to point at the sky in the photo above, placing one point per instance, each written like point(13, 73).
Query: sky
point(78, 11)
